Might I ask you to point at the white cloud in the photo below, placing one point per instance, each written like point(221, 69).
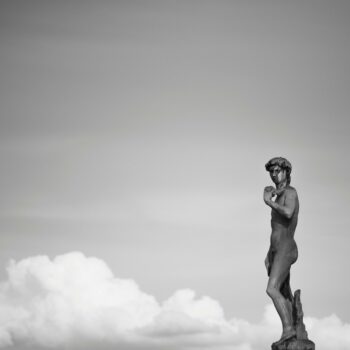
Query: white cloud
point(329, 332)
point(74, 301)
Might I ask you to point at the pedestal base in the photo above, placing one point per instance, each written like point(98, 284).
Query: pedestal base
point(296, 344)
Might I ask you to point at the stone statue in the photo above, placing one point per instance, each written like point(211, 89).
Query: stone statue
point(283, 252)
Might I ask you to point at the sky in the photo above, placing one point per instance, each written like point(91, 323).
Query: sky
point(133, 139)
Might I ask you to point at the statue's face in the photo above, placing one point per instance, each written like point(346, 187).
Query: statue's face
point(278, 174)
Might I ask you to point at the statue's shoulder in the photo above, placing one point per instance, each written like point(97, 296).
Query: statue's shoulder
point(291, 191)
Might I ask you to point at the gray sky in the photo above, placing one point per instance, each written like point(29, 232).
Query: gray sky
point(137, 132)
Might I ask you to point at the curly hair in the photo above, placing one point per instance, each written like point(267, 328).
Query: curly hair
point(281, 162)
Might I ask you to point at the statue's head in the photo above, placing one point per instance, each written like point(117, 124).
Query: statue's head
point(277, 167)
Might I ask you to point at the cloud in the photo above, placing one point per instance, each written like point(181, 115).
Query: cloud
point(75, 302)
point(329, 332)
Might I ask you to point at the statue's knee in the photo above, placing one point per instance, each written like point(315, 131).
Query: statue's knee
point(271, 291)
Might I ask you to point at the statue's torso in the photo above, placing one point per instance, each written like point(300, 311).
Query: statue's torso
point(283, 229)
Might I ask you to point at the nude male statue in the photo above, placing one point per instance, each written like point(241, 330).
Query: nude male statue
point(283, 251)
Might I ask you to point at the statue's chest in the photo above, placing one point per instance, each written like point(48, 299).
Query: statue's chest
point(281, 199)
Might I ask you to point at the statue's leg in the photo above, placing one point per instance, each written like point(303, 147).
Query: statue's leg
point(279, 272)
point(286, 291)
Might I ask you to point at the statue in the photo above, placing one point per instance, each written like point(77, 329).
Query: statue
point(283, 252)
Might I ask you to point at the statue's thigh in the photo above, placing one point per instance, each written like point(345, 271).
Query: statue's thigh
point(279, 270)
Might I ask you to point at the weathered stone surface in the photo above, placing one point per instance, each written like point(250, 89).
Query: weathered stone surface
point(301, 340)
point(298, 317)
point(282, 254)
point(295, 344)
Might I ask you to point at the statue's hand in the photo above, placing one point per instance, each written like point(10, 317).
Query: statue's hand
point(269, 192)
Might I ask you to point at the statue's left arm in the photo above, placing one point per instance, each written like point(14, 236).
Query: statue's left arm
point(288, 208)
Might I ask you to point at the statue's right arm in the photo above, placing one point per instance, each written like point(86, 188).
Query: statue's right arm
point(286, 210)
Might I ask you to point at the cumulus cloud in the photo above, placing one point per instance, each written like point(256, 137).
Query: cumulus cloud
point(75, 302)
